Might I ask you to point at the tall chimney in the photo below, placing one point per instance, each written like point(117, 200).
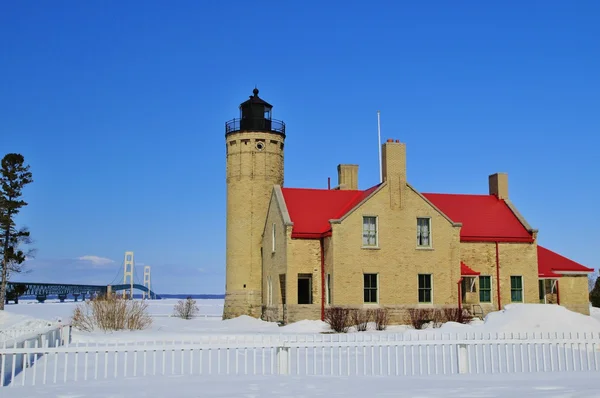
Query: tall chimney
point(499, 185)
point(348, 176)
point(393, 159)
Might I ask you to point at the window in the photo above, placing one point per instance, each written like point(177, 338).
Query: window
point(370, 288)
point(269, 291)
point(423, 232)
point(516, 289)
point(369, 231)
point(425, 288)
point(282, 288)
point(304, 289)
point(485, 289)
point(273, 238)
point(328, 288)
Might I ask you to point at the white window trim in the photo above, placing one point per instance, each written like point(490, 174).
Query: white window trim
point(273, 238)
point(431, 279)
point(362, 226)
point(491, 290)
point(376, 291)
point(327, 289)
point(430, 246)
point(522, 289)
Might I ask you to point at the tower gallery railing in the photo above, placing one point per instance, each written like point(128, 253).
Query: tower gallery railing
point(255, 124)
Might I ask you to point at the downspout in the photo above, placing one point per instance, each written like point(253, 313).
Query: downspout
point(322, 243)
point(557, 293)
point(498, 277)
point(459, 294)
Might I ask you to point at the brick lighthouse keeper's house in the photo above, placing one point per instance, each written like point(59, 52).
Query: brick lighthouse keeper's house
point(291, 252)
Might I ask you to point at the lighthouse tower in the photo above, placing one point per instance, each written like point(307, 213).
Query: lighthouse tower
point(254, 164)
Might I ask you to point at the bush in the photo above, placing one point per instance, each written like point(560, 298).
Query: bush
point(595, 294)
point(421, 316)
point(360, 319)
point(338, 318)
point(455, 314)
point(111, 313)
point(381, 317)
point(186, 309)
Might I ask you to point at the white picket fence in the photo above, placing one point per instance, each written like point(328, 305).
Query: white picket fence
point(54, 335)
point(336, 355)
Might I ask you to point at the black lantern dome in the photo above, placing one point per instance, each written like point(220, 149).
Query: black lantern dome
point(255, 115)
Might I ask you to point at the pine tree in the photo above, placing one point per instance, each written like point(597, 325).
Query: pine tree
point(595, 294)
point(14, 176)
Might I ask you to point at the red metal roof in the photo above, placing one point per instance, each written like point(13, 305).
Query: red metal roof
point(550, 262)
point(311, 209)
point(465, 270)
point(484, 217)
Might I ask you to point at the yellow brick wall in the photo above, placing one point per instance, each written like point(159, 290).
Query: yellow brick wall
point(274, 263)
point(251, 174)
point(397, 259)
point(515, 259)
point(304, 257)
point(573, 291)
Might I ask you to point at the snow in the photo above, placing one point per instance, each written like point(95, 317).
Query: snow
point(10, 320)
point(518, 385)
point(513, 318)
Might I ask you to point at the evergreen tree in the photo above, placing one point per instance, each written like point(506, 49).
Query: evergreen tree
point(595, 294)
point(14, 176)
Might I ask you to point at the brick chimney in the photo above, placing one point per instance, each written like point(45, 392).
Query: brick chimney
point(348, 176)
point(393, 159)
point(499, 185)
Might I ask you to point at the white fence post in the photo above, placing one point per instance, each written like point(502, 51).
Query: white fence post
point(462, 355)
point(283, 355)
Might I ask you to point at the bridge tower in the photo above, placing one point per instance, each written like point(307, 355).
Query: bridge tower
point(254, 148)
point(146, 282)
point(128, 266)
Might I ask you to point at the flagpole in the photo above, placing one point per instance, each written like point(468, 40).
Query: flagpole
point(379, 146)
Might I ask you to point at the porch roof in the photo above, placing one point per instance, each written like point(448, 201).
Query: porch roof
point(465, 270)
point(553, 265)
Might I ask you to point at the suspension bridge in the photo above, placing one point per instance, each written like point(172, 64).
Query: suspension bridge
point(124, 286)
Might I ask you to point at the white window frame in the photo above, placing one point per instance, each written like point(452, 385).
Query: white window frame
point(273, 239)
point(491, 289)
point(376, 245)
point(522, 288)
point(269, 291)
point(328, 289)
point(376, 289)
point(418, 289)
point(430, 245)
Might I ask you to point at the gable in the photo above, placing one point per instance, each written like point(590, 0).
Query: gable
point(484, 217)
point(311, 209)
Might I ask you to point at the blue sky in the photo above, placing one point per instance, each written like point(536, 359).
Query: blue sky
point(119, 107)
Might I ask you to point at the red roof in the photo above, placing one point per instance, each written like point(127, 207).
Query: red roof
point(484, 217)
point(465, 270)
point(311, 209)
point(550, 262)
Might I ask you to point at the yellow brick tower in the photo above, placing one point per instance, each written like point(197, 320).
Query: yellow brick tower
point(254, 164)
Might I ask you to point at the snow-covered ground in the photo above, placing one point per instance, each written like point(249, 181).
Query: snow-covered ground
point(515, 318)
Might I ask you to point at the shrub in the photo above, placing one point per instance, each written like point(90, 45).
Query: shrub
point(338, 318)
point(186, 309)
point(595, 294)
point(360, 319)
point(381, 317)
point(455, 314)
point(421, 316)
point(111, 313)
